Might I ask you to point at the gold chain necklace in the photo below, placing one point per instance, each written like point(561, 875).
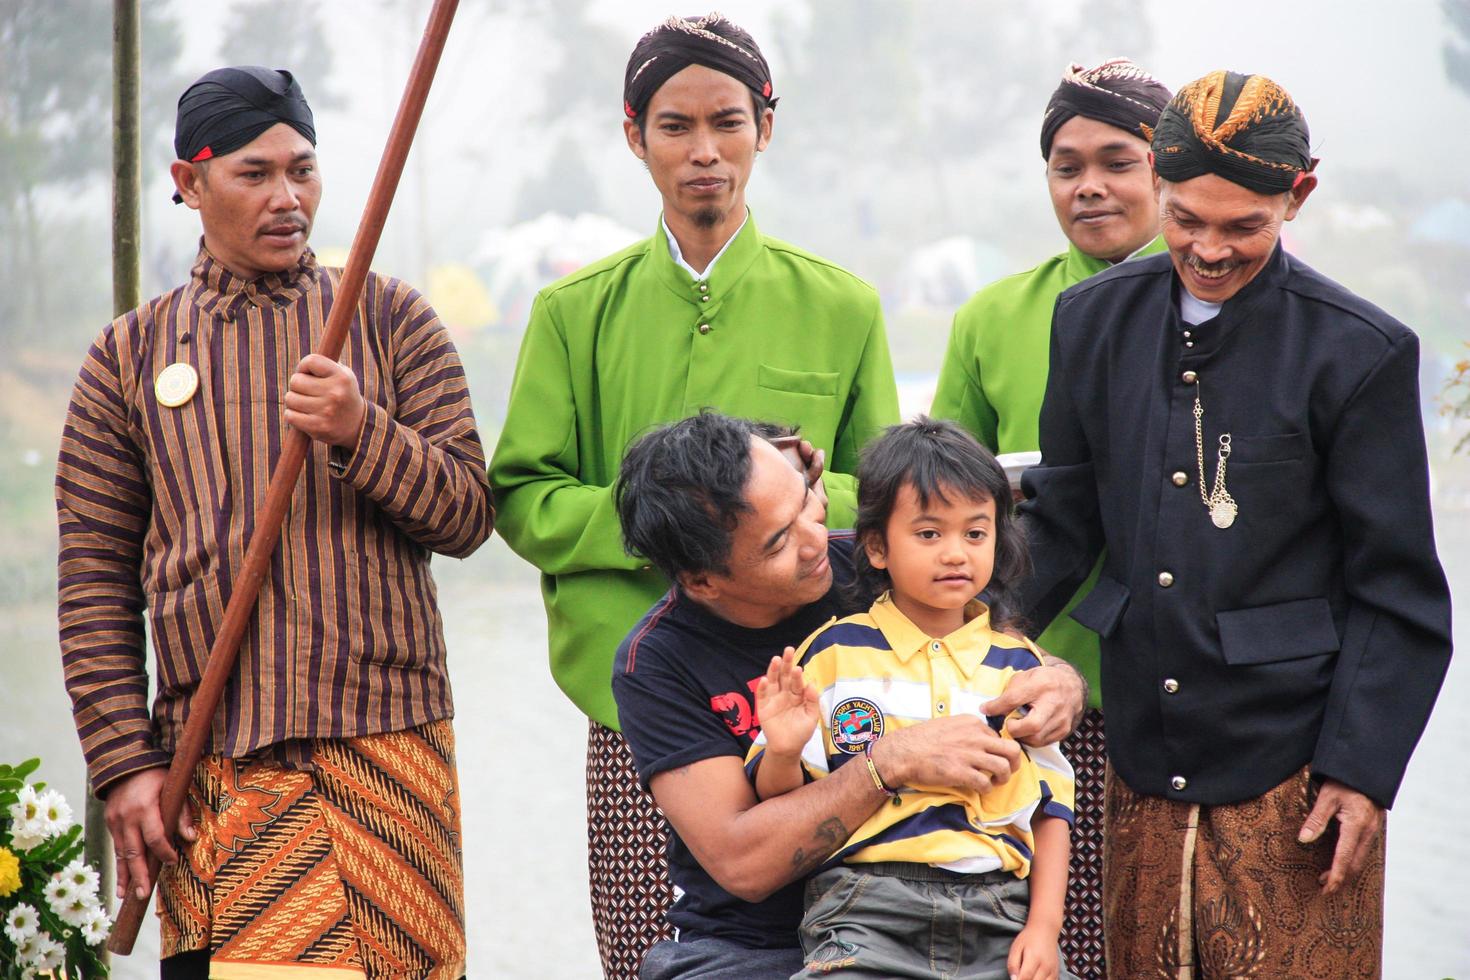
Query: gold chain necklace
point(1218, 501)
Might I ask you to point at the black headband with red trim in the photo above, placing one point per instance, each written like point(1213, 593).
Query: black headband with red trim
point(677, 43)
point(228, 107)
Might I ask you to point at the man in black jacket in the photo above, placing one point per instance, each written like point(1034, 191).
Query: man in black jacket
point(1243, 437)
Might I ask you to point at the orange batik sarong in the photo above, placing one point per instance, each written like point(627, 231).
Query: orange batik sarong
point(337, 858)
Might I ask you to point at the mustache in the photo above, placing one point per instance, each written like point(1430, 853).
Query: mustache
point(1224, 265)
point(294, 223)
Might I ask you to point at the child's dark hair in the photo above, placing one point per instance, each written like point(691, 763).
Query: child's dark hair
point(937, 459)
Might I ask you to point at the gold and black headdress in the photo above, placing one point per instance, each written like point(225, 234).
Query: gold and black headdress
point(1245, 128)
point(1116, 92)
point(677, 43)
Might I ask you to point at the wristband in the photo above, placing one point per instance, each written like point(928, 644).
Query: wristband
point(873, 771)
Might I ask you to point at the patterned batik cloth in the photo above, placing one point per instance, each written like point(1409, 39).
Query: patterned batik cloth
point(1209, 892)
point(1082, 931)
point(344, 862)
point(626, 864)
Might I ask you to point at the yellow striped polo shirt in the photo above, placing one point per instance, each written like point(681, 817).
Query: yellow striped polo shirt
point(879, 673)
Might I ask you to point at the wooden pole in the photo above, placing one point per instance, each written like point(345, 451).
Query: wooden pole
point(222, 655)
point(127, 192)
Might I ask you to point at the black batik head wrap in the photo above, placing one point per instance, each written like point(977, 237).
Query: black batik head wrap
point(677, 43)
point(1245, 128)
point(227, 108)
point(1116, 92)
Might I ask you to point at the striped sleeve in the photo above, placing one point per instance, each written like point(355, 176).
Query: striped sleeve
point(424, 465)
point(102, 504)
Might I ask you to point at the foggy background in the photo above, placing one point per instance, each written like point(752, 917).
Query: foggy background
point(905, 148)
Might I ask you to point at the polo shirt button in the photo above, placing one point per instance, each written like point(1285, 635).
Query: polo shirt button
point(704, 287)
point(1179, 782)
point(1189, 343)
point(1171, 686)
point(939, 707)
point(704, 299)
point(704, 328)
point(1180, 478)
point(1166, 579)
point(1189, 377)
point(934, 646)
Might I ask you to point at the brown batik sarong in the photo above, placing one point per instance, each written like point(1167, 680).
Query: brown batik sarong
point(1082, 930)
point(340, 861)
point(627, 869)
point(1209, 892)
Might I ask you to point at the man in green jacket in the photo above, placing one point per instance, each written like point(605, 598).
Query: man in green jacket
point(706, 313)
point(1095, 140)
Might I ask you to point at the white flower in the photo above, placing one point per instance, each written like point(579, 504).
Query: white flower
point(27, 805)
point(82, 876)
point(96, 926)
point(22, 922)
point(57, 813)
point(75, 912)
point(28, 835)
point(28, 820)
point(50, 954)
point(59, 893)
point(26, 949)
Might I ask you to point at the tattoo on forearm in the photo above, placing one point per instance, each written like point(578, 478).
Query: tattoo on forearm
point(829, 836)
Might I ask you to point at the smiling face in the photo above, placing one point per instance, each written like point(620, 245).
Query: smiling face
point(1102, 189)
point(778, 552)
point(699, 140)
point(257, 203)
point(1220, 234)
point(938, 554)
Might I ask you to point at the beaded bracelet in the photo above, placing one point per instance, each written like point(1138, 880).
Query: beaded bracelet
point(873, 771)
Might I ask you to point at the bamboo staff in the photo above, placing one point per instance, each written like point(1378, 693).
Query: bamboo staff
point(222, 656)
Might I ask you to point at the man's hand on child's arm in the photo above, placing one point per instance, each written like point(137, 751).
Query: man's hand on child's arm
point(1034, 952)
point(788, 709)
point(1055, 694)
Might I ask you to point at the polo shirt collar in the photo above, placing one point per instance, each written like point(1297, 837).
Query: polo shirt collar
point(966, 646)
point(734, 260)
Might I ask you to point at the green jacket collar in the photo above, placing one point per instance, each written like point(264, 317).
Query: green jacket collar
point(739, 255)
point(1082, 266)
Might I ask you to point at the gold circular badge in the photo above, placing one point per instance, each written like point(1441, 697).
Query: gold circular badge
point(176, 384)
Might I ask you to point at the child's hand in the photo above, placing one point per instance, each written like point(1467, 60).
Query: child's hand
point(787, 706)
point(1034, 955)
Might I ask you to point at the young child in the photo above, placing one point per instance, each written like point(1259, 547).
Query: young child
point(937, 883)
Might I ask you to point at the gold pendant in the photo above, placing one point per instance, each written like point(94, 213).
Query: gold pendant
point(176, 384)
point(1223, 512)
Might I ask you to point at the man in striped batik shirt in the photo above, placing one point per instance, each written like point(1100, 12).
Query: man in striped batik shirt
point(322, 830)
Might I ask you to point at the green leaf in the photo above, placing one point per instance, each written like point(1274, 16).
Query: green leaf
point(27, 767)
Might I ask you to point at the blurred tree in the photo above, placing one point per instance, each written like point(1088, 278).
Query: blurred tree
point(581, 88)
point(55, 121)
point(876, 88)
point(283, 35)
point(1457, 48)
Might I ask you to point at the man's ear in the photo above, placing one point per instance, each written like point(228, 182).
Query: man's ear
point(873, 545)
point(187, 181)
point(767, 123)
point(635, 139)
point(1305, 184)
point(699, 586)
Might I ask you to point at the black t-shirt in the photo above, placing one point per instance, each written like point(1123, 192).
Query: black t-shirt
point(685, 681)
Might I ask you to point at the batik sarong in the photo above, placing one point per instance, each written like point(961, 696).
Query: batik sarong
point(627, 868)
point(334, 859)
point(1209, 892)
